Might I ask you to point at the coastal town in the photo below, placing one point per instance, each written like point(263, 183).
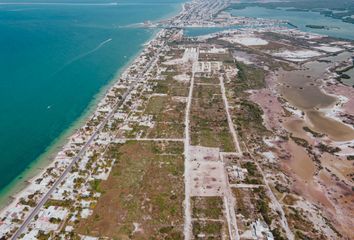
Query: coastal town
point(244, 133)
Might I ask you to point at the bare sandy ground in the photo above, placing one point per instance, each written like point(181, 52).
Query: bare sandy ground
point(329, 187)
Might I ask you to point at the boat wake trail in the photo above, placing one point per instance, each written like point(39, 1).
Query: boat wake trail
point(90, 52)
point(84, 55)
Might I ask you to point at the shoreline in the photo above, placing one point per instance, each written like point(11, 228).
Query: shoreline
point(136, 151)
point(17, 186)
point(43, 161)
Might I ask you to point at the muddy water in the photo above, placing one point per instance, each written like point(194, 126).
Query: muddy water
point(304, 169)
point(301, 164)
point(325, 177)
point(334, 129)
point(342, 169)
point(301, 89)
point(295, 126)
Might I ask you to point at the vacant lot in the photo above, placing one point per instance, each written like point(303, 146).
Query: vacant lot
point(171, 86)
point(209, 125)
point(208, 218)
point(168, 116)
point(142, 198)
point(253, 204)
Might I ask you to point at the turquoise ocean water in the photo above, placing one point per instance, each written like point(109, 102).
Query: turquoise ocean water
point(55, 57)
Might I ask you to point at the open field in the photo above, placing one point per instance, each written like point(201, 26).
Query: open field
point(142, 196)
point(168, 117)
point(209, 220)
point(209, 123)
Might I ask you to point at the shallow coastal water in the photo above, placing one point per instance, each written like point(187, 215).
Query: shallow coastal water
point(54, 60)
point(337, 28)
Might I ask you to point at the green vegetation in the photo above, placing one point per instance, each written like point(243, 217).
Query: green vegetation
point(170, 147)
point(325, 148)
point(264, 210)
point(243, 206)
point(303, 228)
point(277, 234)
point(42, 236)
point(316, 26)
point(299, 141)
point(54, 220)
point(156, 105)
point(263, 206)
point(251, 168)
point(95, 185)
point(28, 202)
point(212, 230)
point(315, 134)
point(58, 203)
point(248, 78)
point(207, 207)
point(168, 116)
point(249, 121)
point(170, 233)
point(210, 80)
point(170, 86)
point(209, 126)
point(146, 180)
point(253, 176)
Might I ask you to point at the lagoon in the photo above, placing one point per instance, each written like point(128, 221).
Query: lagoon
point(300, 19)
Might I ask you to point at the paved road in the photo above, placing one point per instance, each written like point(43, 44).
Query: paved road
point(151, 139)
point(45, 198)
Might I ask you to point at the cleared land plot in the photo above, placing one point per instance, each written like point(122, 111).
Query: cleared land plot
point(176, 53)
point(205, 229)
point(168, 116)
point(207, 67)
point(207, 174)
point(215, 57)
point(143, 196)
point(209, 125)
point(203, 79)
point(207, 178)
point(209, 221)
point(207, 207)
point(171, 86)
point(199, 153)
